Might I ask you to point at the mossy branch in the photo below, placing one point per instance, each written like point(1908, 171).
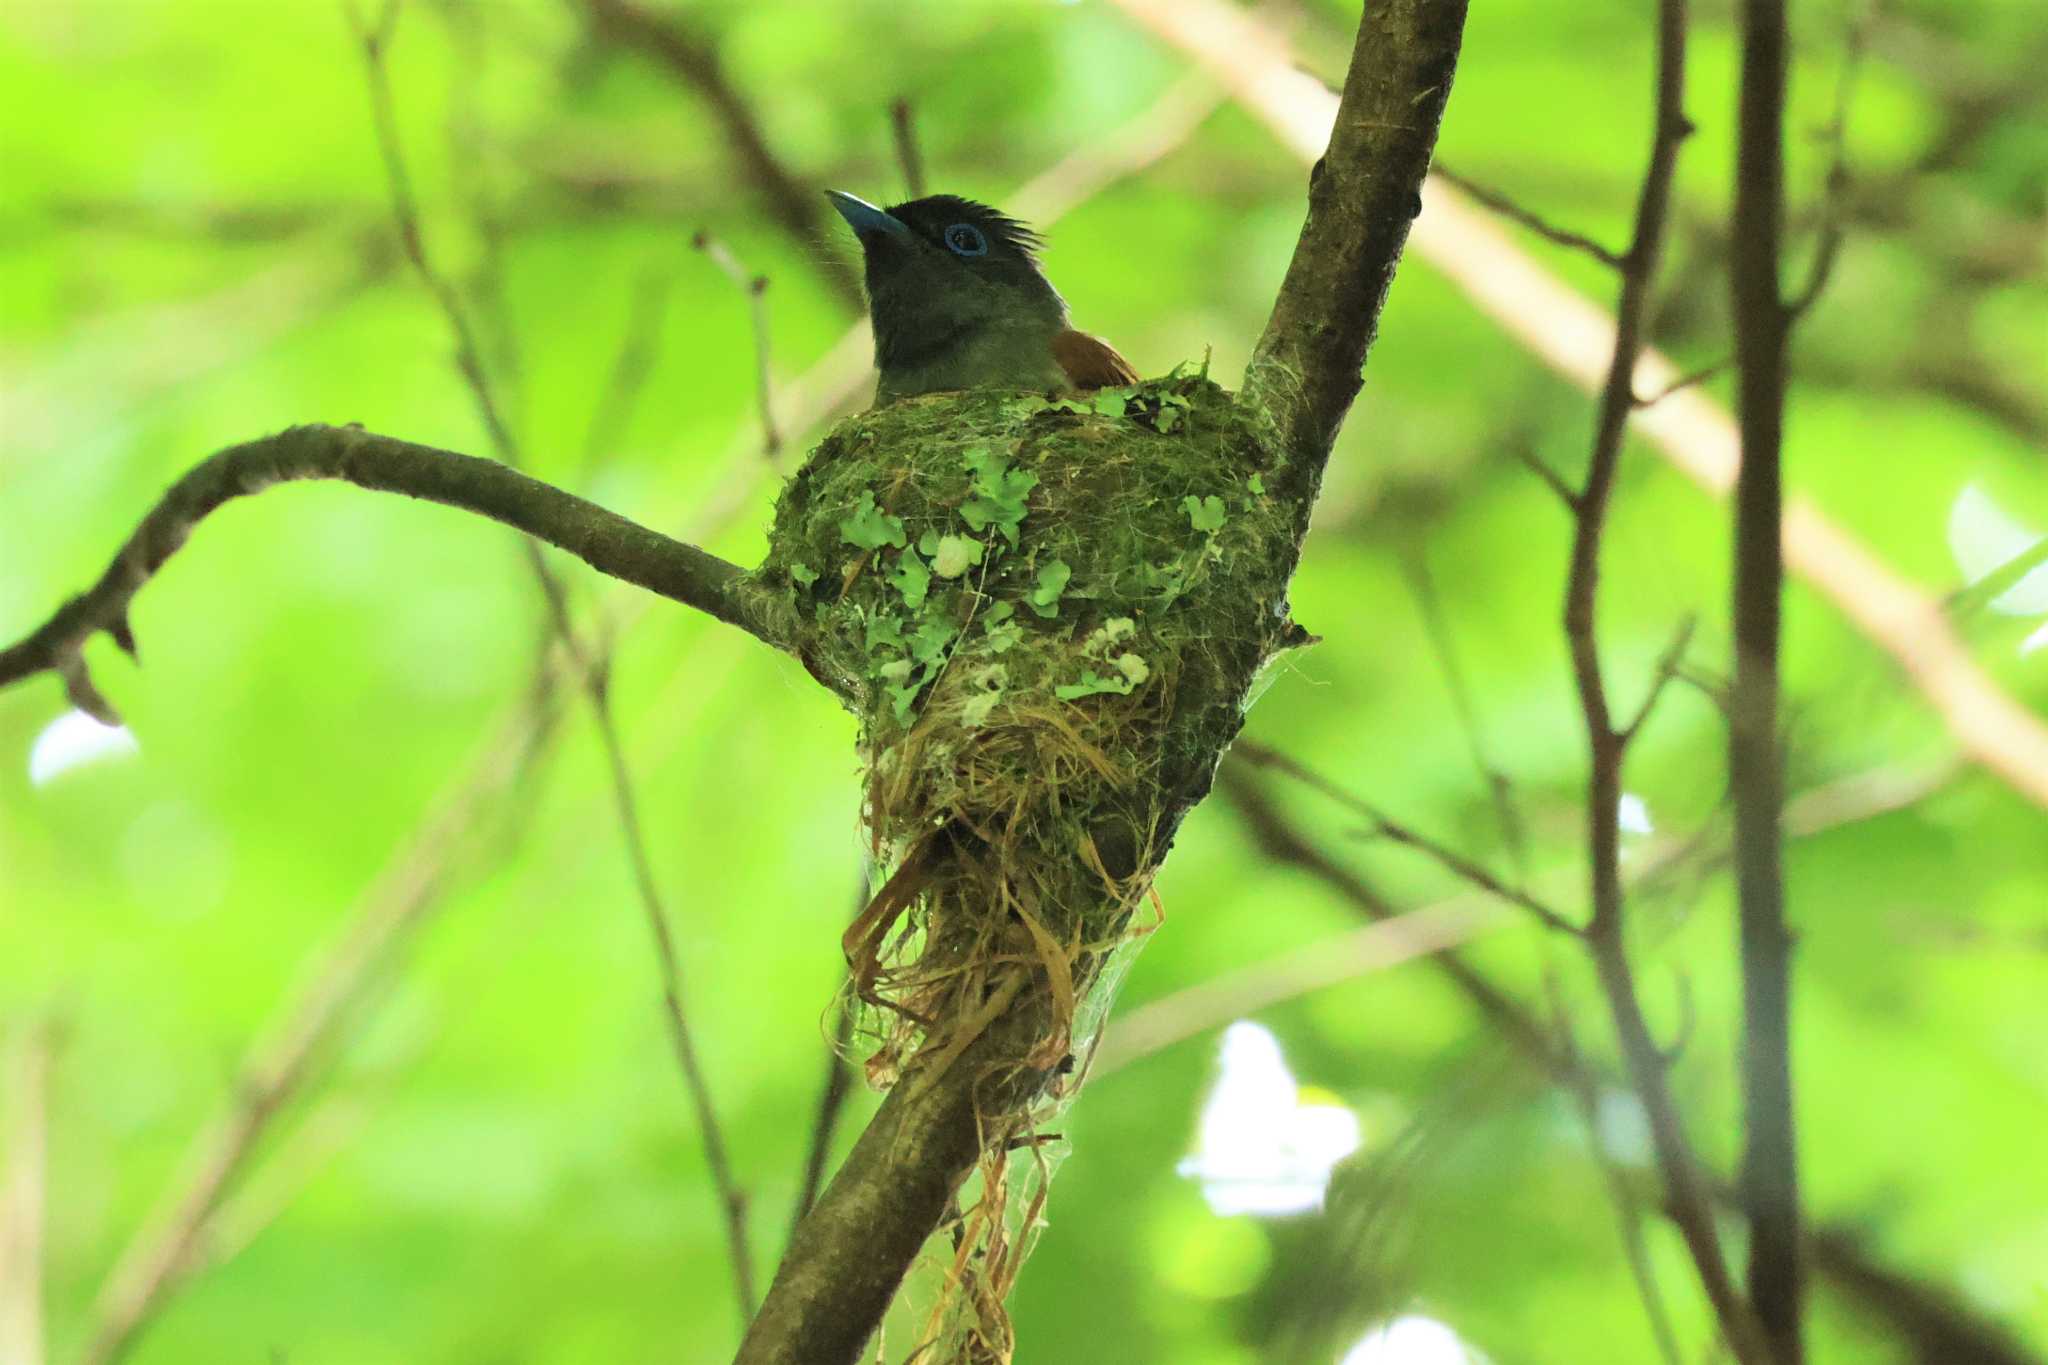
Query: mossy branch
point(607, 542)
point(1362, 196)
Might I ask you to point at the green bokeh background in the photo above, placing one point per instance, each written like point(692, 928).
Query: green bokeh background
point(500, 1165)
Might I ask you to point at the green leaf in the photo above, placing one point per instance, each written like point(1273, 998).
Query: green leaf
point(912, 579)
point(884, 631)
point(870, 527)
point(928, 642)
point(1044, 597)
point(997, 493)
point(1256, 483)
point(955, 555)
point(1110, 402)
point(1204, 514)
point(1093, 683)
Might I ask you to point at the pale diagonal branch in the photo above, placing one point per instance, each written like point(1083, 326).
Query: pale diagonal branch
point(1574, 337)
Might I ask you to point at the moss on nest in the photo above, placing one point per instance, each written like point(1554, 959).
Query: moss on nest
point(1047, 614)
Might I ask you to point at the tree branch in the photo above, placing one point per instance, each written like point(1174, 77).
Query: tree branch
point(592, 665)
point(1534, 222)
point(1452, 861)
point(1685, 1194)
point(607, 542)
point(1756, 780)
point(1566, 332)
point(848, 1256)
point(1363, 194)
point(1941, 1326)
point(671, 41)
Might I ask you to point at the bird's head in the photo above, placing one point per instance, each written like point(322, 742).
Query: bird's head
point(944, 272)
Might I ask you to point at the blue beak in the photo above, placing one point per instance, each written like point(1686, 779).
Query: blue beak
point(864, 218)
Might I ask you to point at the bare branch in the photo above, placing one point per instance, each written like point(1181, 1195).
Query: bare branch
point(1686, 381)
point(755, 287)
point(1756, 779)
point(672, 41)
point(593, 666)
point(1669, 667)
point(831, 1102)
point(1552, 480)
point(1457, 864)
point(1835, 189)
point(903, 126)
point(607, 542)
point(1437, 625)
point(1582, 1082)
point(1684, 1193)
point(1515, 213)
point(1565, 331)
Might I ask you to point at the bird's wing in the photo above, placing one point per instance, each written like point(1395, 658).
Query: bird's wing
point(1090, 362)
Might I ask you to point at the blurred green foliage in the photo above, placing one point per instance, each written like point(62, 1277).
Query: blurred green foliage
point(500, 1164)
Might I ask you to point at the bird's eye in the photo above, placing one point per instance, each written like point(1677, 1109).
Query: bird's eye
point(965, 239)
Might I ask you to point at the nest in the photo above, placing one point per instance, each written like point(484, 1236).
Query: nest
point(1047, 615)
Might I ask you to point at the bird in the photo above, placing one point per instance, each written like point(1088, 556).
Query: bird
point(958, 301)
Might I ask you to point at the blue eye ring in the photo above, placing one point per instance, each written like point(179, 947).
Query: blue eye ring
point(965, 239)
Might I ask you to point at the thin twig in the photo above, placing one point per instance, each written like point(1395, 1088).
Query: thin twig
point(1756, 778)
point(1500, 788)
point(1534, 222)
point(1687, 380)
point(1606, 745)
point(1582, 1083)
point(1552, 480)
point(639, 349)
point(831, 1103)
point(593, 672)
point(755, 287)
point(1457, 864)
point(1571, 335)
point(673, 42)
point(903, 126)
point(1835, 189)
point(1669, 667)
point(1942, 1326)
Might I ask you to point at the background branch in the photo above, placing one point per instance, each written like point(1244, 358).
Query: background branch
point(673, 41)
point(1574, 337)
point(593, 668)
point(1756, 780)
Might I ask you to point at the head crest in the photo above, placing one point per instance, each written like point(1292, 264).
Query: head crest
point(931, 216)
